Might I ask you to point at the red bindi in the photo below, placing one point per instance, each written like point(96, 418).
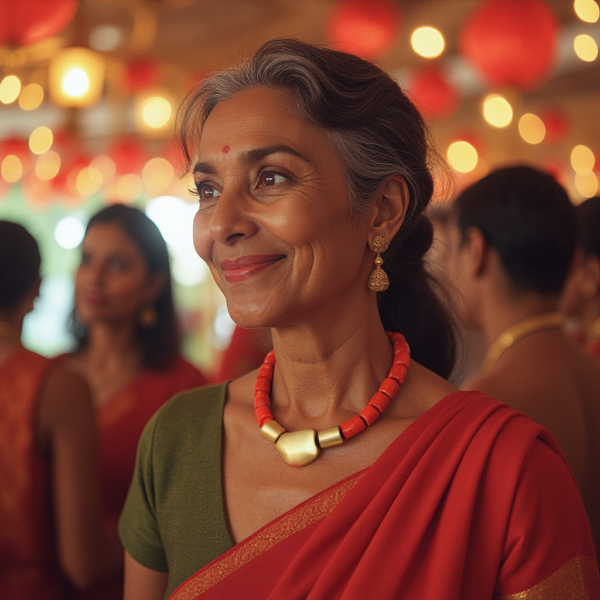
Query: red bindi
point(225, 149)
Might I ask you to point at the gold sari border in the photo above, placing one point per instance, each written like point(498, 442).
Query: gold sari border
point(577, 579)
point(304, 516)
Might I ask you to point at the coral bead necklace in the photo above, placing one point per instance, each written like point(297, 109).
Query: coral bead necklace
point(298, 448)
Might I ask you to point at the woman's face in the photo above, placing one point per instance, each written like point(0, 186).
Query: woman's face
point(274, 222)
point(112, 280)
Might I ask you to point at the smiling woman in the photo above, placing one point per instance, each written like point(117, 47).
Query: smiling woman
point(312, 170)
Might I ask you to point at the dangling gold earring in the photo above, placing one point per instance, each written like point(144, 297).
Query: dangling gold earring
point(378, 280)
point(148, 316)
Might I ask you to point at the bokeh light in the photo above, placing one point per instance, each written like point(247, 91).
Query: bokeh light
point(47, 165)
point(157, 174)
point(88, 181)
point(106, 165)
point(76, 82)
point(129, 187)
point(12, 168)
point(106, 38)
point(462, 156)
point(587, 10)
point(585, 47)
point(532, 128)
point(10, 87)
point(69, 232)
point(427, 42)
point(31, 97)
point(40, 140)
point(582, 159)
point(156, 112)
point(587, 184)
point(497, 111)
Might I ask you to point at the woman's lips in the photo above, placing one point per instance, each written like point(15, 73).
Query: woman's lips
point(92, 300)
point(246, 266)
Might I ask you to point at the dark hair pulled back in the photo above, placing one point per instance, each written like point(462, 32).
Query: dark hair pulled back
point(159, 344)
point(588, 220)
point(378, 133)
point(20, 262)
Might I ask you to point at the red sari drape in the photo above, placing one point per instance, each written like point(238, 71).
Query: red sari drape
point(121, 421)
point(28, 564)
point(472, 501)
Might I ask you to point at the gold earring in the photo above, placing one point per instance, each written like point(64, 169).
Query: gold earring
point(378, 280)
point(148, 316)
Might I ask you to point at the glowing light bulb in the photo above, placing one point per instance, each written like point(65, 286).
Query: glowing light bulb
point(497, 111)
point(12, 168)
point(587, 10)
point(427, 42)
point(10, 87)
point(462, 156)
point(582, 159)
point(585, 47)
point(76, 82)
point(31, 96)
point(40, 140)
point(156, 112)
point(532, 128)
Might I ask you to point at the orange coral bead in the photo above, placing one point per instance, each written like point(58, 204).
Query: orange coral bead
point(352, 427)
point(270, 358)
point(398, 373)
point(369, 414)
point(261, 398)
point(263, 384)
point(389, 387)
point(402, 358)
point(266, 370)
point(380, 401)
point(263, 414)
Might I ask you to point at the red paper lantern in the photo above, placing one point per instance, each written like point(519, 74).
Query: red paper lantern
point(433, 94)
point(24, 22)
point(129, 156)
point(367, 28)
point(141, 75)
point(511, 42)
point(557, 125)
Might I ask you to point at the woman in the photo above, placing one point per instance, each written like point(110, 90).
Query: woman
point(50, 526)
point(581, 297)
point(128, 343)
point(308, 162)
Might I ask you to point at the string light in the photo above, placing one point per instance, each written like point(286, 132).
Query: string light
point(12, 168)
point(587, 184)
point(582, 159)
point(40, 140)
point(497, 111)
point(88, 181)
point(585, 47)
point(157, 174)
point(47, 166)
point(532, 128)
point(587, 10)
point(31, 97)
point(10, 87)
point(156, 112)
point(462, 156)
point(427, 42)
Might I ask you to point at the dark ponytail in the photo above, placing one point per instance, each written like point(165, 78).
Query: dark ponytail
point(378, 133)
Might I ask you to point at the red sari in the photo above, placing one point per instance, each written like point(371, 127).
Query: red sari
point(121, 421)
point(473, 501)
point(28, 564)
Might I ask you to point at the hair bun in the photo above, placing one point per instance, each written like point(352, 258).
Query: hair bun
point(416, 242)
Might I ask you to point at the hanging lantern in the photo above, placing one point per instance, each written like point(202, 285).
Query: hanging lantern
point(24, 22)
point(511, 42)
point(141, 75)
point(367, 28)
point(557, 125)
point(76, 77)
point(433, 93)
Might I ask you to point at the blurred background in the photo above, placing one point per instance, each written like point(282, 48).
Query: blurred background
point(89, 89)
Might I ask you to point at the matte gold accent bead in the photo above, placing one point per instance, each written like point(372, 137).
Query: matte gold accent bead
point(298, 448)
point(380, 243)
point(378, 261)
point(330, 437)
point(272, 431)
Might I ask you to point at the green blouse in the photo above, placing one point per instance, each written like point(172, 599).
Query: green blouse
point(174, 518)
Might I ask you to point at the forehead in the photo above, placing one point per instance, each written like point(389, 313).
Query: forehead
point(257, 116)
point(108, 238)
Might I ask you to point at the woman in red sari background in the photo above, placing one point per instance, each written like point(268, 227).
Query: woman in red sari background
point(50, 527)
point(346, 466)
point(128, 344)
point(581, 297)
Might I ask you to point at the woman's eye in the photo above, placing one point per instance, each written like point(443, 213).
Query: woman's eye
point(270, 178)
point(207, 192)
point(117, 265)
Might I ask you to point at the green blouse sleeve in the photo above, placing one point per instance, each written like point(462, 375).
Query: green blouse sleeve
point(138, 526)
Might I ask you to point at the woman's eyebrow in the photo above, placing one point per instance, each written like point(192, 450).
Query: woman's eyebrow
point(251, 156)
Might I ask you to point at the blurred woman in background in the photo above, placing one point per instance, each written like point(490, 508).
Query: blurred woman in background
point(128, 343)
point(50, 516)
point(581, 297)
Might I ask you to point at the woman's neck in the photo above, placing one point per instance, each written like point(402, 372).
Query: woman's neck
point(10, 337)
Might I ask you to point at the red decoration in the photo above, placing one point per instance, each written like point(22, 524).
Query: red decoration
point(367, 28)
point(17, 146)
point(24, 22)
point(557, 125)
point(141, 75)
point(512, 42)
point(129, 156)
point(433, 93)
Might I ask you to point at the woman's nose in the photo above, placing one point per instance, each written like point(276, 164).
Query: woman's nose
point(231, 219)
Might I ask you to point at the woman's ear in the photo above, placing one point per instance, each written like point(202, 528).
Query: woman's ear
point(390, 208)
point(477, 250)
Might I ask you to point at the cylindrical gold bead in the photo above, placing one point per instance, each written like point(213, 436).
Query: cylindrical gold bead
point(330, 437)
point(272, 430)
